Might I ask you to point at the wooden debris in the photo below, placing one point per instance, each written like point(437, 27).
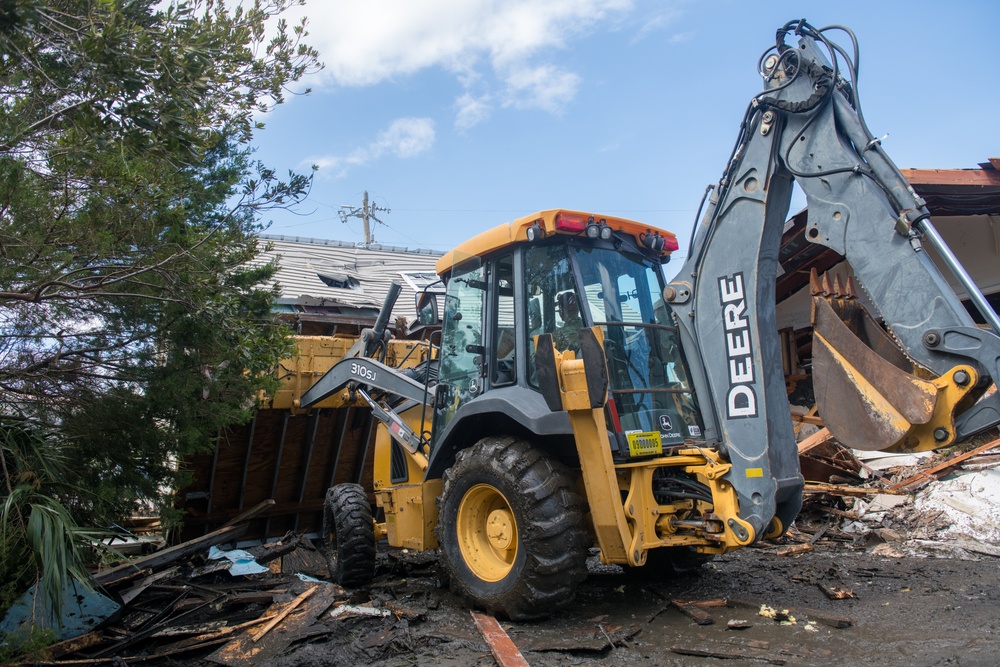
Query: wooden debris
point(502, 648)
point(125, 572)
point(800, 613)
point(346, 611)
point(815, 440)
point(695, 613)
point(274, 550)
point(246, 651)
point(304, 560)
point(256, 636)
point(924, 477)
point(734, 654)
point(793, 549)
point(844, 490)
point(75, 644)
point(836, 593)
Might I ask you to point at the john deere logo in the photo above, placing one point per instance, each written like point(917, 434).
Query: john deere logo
point(666, 424)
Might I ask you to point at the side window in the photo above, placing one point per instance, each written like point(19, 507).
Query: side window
point(462, 350)
point(504, 342)
point(551, 300)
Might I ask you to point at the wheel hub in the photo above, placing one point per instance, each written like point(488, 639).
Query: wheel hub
point(499, 528)
point(487, 532)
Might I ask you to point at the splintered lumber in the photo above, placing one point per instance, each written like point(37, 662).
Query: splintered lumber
point(815, 440)
point(502, 648)
point(169, 555)
point(923, 477)
point(793, 549)
point(845, 490)
point(244, 651)
point(694, 612)
point(256, 636)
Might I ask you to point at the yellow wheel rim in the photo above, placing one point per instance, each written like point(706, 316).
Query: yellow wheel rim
point(487, 532)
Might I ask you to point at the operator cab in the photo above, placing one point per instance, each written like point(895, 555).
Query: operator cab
point(551, 274)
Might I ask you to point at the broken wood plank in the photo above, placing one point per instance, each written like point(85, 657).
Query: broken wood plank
point(256, 636)
point(169, 555)
point(696, 614)
point(793, 549)
point(844, 490)
point(502, 648)
point(836, 593)
point(273, 550)
point(243, 651)
point(75, 644)
point(815, 440)
point(918, 480)
point(735, 654)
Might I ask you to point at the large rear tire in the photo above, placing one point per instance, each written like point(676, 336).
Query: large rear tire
point(510, 525)
point(349, 535)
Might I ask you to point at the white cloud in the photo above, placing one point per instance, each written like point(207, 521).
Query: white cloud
point(471, 110)
point(404, 138)
point(655, 22)
point(501, 51)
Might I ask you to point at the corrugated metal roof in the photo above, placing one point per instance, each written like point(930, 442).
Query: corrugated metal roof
point(356, 276)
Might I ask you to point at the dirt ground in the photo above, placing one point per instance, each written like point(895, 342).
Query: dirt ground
point(906, 611)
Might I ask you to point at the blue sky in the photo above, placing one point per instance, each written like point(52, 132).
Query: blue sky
point(461, 114)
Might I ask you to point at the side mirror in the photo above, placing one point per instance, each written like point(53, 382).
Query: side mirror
point(427, 308)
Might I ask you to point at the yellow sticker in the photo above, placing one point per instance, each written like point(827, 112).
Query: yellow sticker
point(755, 472)
point(644, 443)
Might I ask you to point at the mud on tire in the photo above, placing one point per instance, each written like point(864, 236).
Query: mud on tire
point(349, 535)
point(510, 525)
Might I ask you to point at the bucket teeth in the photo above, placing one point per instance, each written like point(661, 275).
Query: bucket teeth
point(838, 289)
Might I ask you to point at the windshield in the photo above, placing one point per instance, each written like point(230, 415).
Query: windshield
point(649, 389)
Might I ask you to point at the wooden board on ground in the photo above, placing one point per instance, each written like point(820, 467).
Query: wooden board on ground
point(255, 648)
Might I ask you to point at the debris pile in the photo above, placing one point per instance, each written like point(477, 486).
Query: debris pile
point(897, 504)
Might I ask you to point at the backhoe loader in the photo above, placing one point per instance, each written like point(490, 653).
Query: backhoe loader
point(575, 399)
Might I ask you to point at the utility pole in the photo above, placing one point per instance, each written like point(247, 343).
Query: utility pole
point(366, 213)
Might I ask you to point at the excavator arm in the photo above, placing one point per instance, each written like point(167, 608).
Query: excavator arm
point(807, 127)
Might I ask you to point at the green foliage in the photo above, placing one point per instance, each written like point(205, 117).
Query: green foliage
point(39, 540)
point(27, 647)
point(132, 322)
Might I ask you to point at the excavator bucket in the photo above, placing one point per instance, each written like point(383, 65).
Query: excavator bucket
point(868, 392)
point(865, 401)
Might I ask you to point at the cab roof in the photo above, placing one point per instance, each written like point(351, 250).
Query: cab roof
point(554, 221)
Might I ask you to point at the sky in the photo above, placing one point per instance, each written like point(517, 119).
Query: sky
point(459, 115)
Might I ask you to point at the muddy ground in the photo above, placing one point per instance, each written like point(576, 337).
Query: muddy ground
point(907, 611)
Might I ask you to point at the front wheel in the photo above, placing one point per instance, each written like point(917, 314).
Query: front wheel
point(510, 525)
point(349, 535)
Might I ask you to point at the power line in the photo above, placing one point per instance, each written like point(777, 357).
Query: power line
point(366, 213)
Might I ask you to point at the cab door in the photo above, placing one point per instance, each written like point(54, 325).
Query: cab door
point(462, 371)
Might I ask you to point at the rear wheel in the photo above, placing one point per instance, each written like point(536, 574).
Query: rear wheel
point(349, 535)
point(510, 524)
